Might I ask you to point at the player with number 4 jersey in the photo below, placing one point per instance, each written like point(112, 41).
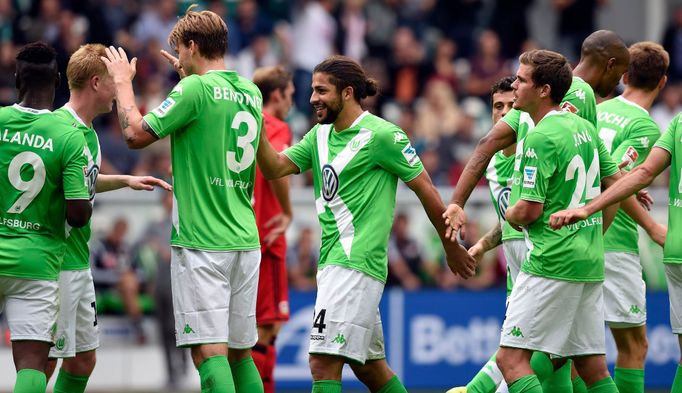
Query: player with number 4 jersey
point(214, 118)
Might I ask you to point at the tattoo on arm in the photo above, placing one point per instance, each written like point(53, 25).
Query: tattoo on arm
point(123, 117)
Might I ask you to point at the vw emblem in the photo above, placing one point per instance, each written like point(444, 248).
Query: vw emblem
point(330, 182)
point(503, 201)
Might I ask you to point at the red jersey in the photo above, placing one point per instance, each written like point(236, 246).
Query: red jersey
point(265, 203)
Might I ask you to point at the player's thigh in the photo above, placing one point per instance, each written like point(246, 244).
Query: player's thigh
point(587, 330)
point(673, 275)
point(201, 295)
point(624, 290)
point(539, 312)
point(346, 319)
point(243, 277)
point(30, 308)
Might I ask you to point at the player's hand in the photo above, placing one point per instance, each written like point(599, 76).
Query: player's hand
point(567, 217)
point(459, 260)
point(147, 183)
point(645, 199)
point(277, 225)
point(117, 63)
point(455, 220)
point(658, 234)
point(174, 62)
point(476, 251)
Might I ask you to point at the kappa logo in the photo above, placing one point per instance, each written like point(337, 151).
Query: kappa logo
point(178, 89)
point(529, 175)
point(644, 141)
point(567, 106)
point(165, 106)
point(530, 153)
point(398, 137)
point(410, 155)
point(580, 93)
point(330, 182)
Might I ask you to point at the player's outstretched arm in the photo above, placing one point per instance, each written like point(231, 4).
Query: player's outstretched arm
point(272, 164)
point(628, 185)
point(524, 212)
point(488, 242)
point(498, 138)
point(114, 182)
point(136, 131)
point(459, 260)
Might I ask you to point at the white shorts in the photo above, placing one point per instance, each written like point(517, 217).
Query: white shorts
point(77, 329)
point(562, 318)
point(347, 321)
point(515, 252)
point(31, 307)
point(673, 274)
point(214, 297)
point(624, 290)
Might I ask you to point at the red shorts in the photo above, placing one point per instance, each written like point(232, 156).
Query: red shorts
point(272, 305)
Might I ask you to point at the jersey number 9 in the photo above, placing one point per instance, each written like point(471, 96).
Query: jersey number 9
point(30, 188)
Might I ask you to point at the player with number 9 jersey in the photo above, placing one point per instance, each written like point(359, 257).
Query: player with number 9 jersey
point(41, 165)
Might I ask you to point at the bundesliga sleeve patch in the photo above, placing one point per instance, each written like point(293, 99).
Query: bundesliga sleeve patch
point(410, 155)
point(165, 106)
point(567, 106)
point(529, 175)
point(630, 156)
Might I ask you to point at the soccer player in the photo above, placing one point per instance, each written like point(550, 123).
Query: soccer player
point(556, 305)
point(77, 335)
point(214, 118)
point(273, 216)
point(43, 185)
point(628, 132)
point(356, 159)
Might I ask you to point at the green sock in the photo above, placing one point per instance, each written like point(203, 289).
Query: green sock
point(216, 376)
point(30, 381)
point(393, 386)
point(246, 376)
point(326, 387)
point(527, 384)
point(69, 383)
point(629, 380)
point(677, 383)
point(488, 378)
point(579, 385)
point(560, 380)
point(542, 366)
point(606, 385)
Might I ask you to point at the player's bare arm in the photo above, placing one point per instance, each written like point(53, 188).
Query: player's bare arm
point(272, 164)
point(136, 131)
point(524, 212)
point(279, 223)
point(459, 260)
point(489, 241)
point(498, 138)
point(78, 212)
point(114, 182)
point(628, 185)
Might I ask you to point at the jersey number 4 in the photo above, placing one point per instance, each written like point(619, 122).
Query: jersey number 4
point(30, 188)
point(318, 322)
point(244, 142)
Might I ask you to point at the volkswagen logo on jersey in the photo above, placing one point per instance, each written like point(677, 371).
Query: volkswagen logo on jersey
point(330, 182)
point(503, 201)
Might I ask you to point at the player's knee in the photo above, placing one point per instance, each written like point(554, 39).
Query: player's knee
point(82, 364)
point(324, 367)
point(235, 355)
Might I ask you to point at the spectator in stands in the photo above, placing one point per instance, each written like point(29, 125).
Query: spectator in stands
point(438, 114)
point(116, 280)
point(407, 266)
point(250, 23)
point(156, 23)
point(576, 21)
point(302, 258)
point(407, 67)
point(668, 107)
point(353, 24)
point(487, 66)
point(672, 42)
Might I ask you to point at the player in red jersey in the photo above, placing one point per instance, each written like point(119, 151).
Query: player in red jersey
point(273, 215)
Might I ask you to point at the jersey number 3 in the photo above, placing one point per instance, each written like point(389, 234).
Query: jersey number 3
point(29, 188)
point(243, 142)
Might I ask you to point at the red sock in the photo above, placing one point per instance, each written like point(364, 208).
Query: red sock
point(271, 360)
point(260, 357)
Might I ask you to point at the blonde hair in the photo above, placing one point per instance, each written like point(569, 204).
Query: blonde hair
point(205, 28)
point(84, 64)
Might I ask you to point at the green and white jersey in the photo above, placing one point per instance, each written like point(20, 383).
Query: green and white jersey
point(562, 165)
point(41, 166)
point(77, 255)
point(499, 174)
point(355, 176)
point(671, 141)
point(214, 121)
point(629, 133)
point(580, 100)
